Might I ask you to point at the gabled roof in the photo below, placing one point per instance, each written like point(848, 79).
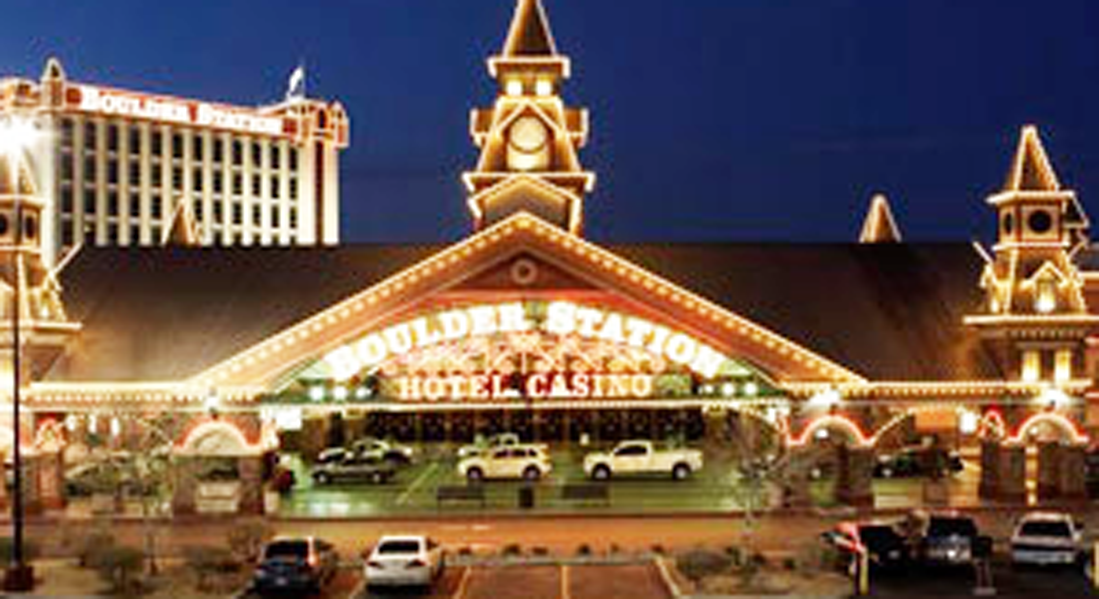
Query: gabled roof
point(885, 311)
point(1031, 169)
point(879, 226)
point(529, 35)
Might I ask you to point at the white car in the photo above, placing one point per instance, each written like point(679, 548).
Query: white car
point(1046, 538)
point(529, 462)
point(642, 457)
point(403, 561)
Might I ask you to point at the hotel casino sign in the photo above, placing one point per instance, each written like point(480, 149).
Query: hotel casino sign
point(527, 351)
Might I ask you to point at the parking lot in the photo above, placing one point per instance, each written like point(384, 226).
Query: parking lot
point(1007, 580)
point(716, 488)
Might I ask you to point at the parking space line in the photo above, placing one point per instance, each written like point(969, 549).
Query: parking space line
point(403, 498)
point(460, 592)
point(565, 592)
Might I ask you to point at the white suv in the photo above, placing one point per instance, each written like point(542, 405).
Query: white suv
point(1046, 538)
point(529, 462)
point(403, 561)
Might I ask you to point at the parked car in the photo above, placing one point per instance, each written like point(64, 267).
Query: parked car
point(642, 457)
point(393, 452)
point(1046, 538)
point(886, 546)
point(370, 468)
point(917, 461)
point(400, 561)
point(331, 454)
point(295, 565)
point(101, 477)
point(495, 442)
point(946, 538)
point(529, 462)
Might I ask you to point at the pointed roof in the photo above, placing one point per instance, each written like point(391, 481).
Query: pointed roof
point(53, 70)
point(529, 35)
point(15, 176)
point(183, 230)
point(1031, 169)
point(879, 225)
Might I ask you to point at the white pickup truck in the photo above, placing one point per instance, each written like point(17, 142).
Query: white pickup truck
point(641, 457)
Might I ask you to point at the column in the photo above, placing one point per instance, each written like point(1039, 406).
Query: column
point(853, 480)
point(32, 488)
point(51, 480)
point(1012, 482)
point(990, 470)
point(1073, 473)
point(1049, 470)
point(250, 469)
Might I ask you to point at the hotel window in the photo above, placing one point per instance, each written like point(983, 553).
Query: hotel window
point(275, 220)
point(135, 140)
point(177, 145)
point(177, 177)
point(1062, 366)
point(196, 179)
point(67, 200)
point(197, 143)
point(293, 218)
point(1032, 366)
point(157, 142)
point(217, 182)
point(89, 134)
point(257, 154)
point(89, 169)
point(89, 203)
point(274, 187)
point(199, 212)
point(112, 171)
point(238, 184)
point(275, 158)
point(293, 188)
point(135, 205)
point(218, 149)
point(293, 159)
point(257, 185)
point(66, 169)
point(66, 233)
point(112, 203)
point(238, 213)
point(238, 152)
point(154, 231)
point(257, 214)
point(112, 137)
point(156, 206)
point(67, 133)
point(135, 172)
point(157, 173)
point(112, 234)
point(218, 212)
point(135, 235)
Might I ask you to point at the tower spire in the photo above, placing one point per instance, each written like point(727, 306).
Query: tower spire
point(1031, 169)
point(879, 225)
point(529, 139)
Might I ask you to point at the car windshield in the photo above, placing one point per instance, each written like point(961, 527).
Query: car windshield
point(940, 527)
point(396, 547)
point(1045, 529)
point(282, 549)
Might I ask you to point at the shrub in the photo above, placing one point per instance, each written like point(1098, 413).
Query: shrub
point(121, 567)
point(7, 549)
point(698, 564)
point(790, 564)
point(583, 550)
point(247, 538)
point(92, 547)
point(540, 551)
point(512, 549)
point(658, 549)
point(736, 555)
point(208, 562)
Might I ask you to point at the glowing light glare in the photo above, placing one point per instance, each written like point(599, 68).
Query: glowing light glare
point(116, 427)
point(544, 87)
point(1053, 397)
point(751, 389)
point(316, 393)
point(1046, 303)
point(362, 393)
point(513, 88)
point(339, 393)
point(1052, 418)
point(968, 422)
point(16, 135)
point(825, 399)
point(728, 389)
point(212, 401)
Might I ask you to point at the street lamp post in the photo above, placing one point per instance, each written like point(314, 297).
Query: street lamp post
point(20, 575)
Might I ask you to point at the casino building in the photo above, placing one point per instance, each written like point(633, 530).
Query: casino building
point(527, 326)
point(124, 168)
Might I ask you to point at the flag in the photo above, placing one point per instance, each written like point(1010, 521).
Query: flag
point(295, 87)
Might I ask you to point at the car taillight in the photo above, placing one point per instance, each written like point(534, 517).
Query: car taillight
point(312, 561)
point(415, 564)
point(374, 564)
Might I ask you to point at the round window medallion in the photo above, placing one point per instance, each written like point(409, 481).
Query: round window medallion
point(528, 134)
point(524, 272)
point(1040, 222)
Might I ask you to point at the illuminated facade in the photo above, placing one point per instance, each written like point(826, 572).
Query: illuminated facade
point(124, 168)
point(527, 326)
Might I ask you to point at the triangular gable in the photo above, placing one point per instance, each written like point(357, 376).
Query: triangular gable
point(536, 186)
point(369, 309)
point(182, 230)
point(879, 225)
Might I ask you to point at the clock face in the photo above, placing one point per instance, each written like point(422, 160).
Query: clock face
point(528, 134)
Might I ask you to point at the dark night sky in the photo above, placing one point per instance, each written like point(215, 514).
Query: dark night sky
point(712, 119)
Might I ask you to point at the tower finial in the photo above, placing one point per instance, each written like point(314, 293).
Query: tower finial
point(530, 33)
point(1031, 169)
point(879, 225)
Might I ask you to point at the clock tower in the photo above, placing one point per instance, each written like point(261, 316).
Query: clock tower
point(529, 139)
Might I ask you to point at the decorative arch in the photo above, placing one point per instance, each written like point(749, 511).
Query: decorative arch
point(217, 438)
point(891, 425)
point(1059, 421)
point(833, 421)
point(50, 437)
point(992, 427)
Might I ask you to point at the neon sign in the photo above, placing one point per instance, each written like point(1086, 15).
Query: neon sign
point(556, 385)
point(183, 112)
point(560, 318)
